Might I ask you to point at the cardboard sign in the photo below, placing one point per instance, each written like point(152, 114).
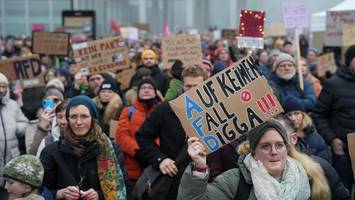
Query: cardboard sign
point(131, 33)
point(50, 43)
point(295, 15)
point(26, 69)
point(229, 34)
point(351, 145)
point(227, 105)
point(108, 54)
point(124, 78)
point(186, 48)
point(334, 26)
point(276, 29)
point(251, 29)
point(348, 34)
point(325, 63)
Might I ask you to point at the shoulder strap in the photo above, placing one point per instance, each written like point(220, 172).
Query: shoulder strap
point(182, 155)
point(48, 140)
point(244, 189)
point(131, 110)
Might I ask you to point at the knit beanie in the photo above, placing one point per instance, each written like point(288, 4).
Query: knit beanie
point(177, 69)
point(314, 50)
point(349, 55)
point(219, 66)
point(255, 134)
point(281, 58)
point(147, 52)
point(147, 81)
point(3, 79)
point(85, 101)
point(107, 85)
point(208, 64)
point(52, 91)
point(292, 103)
point(56, 83)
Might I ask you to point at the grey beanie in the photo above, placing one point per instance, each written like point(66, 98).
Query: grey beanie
point(283, 57)
point(3, 79)
point(52, 91)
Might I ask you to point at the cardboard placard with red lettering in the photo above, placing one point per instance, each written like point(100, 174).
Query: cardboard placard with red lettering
point(108, 54)
point(326, 63)
point(351, 145)
point(334, 26)
point(251, 29)
point(26, 69)
point(186, 48)
point(227, 105)
point(50, 43)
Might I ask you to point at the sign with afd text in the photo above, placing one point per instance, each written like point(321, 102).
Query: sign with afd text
point(50, 43)
point(186, 48)
point(227, 105)
point(27, 69)
point(108, 54)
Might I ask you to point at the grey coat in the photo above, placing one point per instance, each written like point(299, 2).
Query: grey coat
point(12, 125)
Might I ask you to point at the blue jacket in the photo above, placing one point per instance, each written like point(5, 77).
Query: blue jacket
point(291, 87)
point(316, 144)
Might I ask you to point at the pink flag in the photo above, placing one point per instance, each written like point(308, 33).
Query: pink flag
point(115, 26)
point(166, 31)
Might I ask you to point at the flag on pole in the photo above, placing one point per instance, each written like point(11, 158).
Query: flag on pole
point(166, 31)
point(115, 26)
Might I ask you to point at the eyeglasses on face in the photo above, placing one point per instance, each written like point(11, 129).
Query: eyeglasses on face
point(268, 148)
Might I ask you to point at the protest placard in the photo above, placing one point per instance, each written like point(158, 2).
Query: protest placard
point(50, 43)
point(295, 15)
point(131, 33)
point(351, 145)
point(276, 29)
point(26, 69)
point(186, 48)
point(348, 34)
point(124, 78)
point(251, 29)
point(227, 105)
point(334, 26)
point(325, 63)
point(108, 54)
point(229, 34)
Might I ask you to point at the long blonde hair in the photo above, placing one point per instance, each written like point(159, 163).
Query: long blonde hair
point(319, 186)
point(306, 121)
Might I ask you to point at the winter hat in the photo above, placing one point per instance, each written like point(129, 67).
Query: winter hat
point(143, 71)
point(3, 79)
point(147, 52)
point(27, 169)
point(314, 50)
point(147, 81)
point(65, 72)
point(292, 103)
point(219, 66)
point(207, 63)
point(177, 69)
point(255, 134)
point(85, 101)
point(53, 91)
point(56, 83)
point(349, 55)
point(107, 85)
point(283, 57)
point(274, 52)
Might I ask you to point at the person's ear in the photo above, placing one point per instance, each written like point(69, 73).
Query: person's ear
point(294, 138)
point(28, 189)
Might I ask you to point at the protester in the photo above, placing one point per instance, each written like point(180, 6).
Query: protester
point(312, 55)
point(164, 124)
point(175, 85)
point(334, 114)
point(13, 124)
point(307, 75)
point(95, 81)
point(268, 169)
point(24, 175)
point(84, 163)
point(288, 47)
point(131, 94)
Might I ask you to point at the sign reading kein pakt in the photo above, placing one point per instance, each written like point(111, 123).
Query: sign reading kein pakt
point(108, 54)
point(186, 48)
point(251, 29)
point(26, 69)
point(229, 104)
point(50, 43)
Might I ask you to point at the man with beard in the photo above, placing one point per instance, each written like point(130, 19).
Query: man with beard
point(149, 59)
point(287, 83)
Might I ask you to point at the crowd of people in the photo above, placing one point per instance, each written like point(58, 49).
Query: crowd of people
point(98, 137)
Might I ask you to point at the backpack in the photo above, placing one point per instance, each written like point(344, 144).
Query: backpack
point(131, 111)
point(244, 189)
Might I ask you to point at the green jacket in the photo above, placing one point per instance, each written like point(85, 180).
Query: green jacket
point(174, 90)
point(224, 187)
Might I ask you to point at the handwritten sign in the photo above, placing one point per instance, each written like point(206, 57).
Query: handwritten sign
point(187, 48)
point(50, 43)
point(108, 54)
point(334, 26)
point(26, 69)
point(348, 34)
point(227, 105)
point(326, 63)
point(351, 145)
point(295, 15)
point(276, 29)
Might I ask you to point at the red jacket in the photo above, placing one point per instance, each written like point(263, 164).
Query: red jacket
point(126, 136)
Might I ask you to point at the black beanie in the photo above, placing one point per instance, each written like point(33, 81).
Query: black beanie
point(349, 55)
point(148, 81)
point(176, 69)
point(107, 85)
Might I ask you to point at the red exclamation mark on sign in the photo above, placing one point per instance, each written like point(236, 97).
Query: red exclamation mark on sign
point(261, 106)
point(271, 100)
point(265, 103)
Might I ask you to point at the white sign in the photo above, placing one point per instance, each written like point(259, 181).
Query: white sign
point(295, 15)
point(334, 26)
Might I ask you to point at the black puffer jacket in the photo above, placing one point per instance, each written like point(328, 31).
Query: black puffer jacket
point(334, 113)
point(63, 168)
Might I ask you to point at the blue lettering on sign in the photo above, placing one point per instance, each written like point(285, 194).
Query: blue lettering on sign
point(190, 105)
point(212, 142)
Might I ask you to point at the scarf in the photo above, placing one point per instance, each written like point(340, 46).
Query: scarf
point(293, 185)
point(109, 171)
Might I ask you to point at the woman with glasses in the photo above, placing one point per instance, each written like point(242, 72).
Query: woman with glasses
point(84, 163)
point(268, 169)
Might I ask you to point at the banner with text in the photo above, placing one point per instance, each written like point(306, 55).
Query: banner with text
point(108, 54)
point(50, 43)
point(26, 69)
point(227, 105)
point(186, 48)
point(295, 15)
point(326, 63)
point(334, 26)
